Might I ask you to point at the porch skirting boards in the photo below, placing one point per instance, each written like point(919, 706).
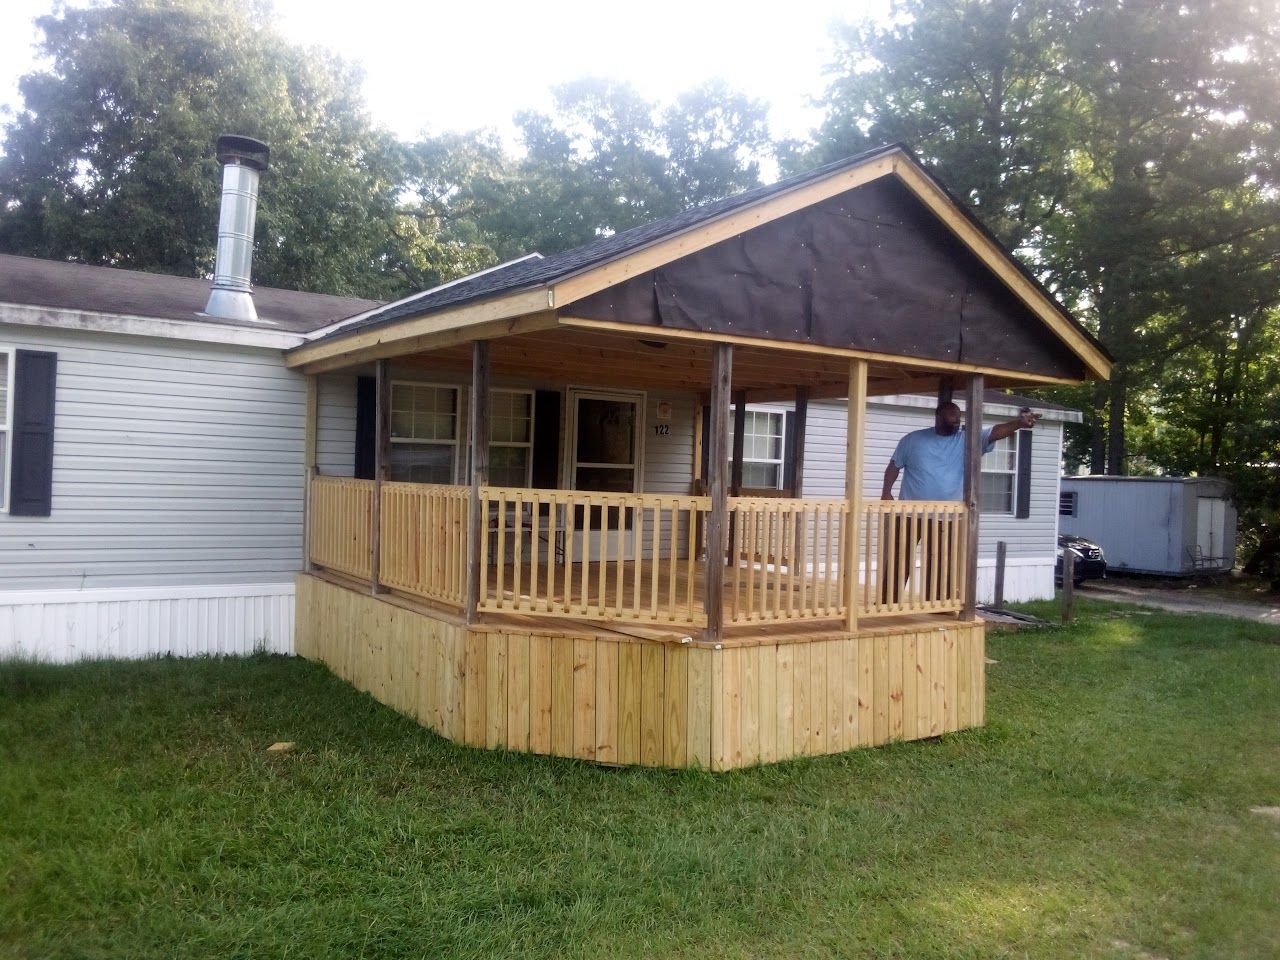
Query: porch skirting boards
point(603, 696)
point(61, 626)
point(1025, 578)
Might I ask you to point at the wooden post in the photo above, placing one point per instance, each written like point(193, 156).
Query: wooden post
point(972, 484)
point(853, 469)
point(946, 388)
point(802, 418)
point(479, 472)
point(381, 448)
point(1002, 550)
point(1068, 584)
point(310, 424)
point(717, 461)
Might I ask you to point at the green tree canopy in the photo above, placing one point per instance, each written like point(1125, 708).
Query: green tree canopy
point(1127, 151)
point(110, 160)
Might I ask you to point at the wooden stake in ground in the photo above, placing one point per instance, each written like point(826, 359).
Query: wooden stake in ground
point(1002, 550)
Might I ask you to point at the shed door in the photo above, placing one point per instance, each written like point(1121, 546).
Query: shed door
point(1211, 526)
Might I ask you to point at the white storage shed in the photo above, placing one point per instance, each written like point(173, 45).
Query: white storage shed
point(1160, 525)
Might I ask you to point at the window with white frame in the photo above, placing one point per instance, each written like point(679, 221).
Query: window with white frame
point(6, 423)
point(996, 493)
point(763, 443)
point(511, 438)
point(424, 432)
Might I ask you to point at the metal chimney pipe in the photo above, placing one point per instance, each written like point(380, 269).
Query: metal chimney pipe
point(243, 159)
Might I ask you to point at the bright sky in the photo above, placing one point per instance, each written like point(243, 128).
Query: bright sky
point(453, 66)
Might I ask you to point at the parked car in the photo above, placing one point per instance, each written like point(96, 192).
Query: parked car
point(1089, 563)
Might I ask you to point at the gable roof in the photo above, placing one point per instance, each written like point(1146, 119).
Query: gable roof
point(31, 282)
point(564, 277)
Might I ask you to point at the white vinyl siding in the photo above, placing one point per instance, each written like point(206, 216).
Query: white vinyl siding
point(174, 463)
point(6, 423)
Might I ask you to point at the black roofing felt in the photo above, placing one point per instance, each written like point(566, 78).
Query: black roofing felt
point(75, 286)
point(525, 275)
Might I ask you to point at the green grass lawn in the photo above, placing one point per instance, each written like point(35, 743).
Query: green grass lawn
point(1102, 812)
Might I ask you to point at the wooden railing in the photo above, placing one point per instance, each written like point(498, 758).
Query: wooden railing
point(423, 544)
point(595, 556)
point(912, 556)
point(340, 524)
point(784, 559)
point(634, 557)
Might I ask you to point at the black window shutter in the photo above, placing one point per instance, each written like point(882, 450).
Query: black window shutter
point(366, 426)
point(34, 390)
point(1023, 484)
point(546, 439)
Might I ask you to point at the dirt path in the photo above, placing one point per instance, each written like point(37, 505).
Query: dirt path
point(1182, 601)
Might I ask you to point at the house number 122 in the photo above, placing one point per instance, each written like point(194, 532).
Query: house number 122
point(661, 429)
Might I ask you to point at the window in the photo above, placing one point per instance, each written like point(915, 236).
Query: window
point(999, 469)
point(762, 447)
point(424, 433)
point(1067, 504)
point(511, 438)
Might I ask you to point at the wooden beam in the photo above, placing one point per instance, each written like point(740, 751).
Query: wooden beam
point(930, 367)
point(381, 449)
point(486, 320)
point(855, 445)
point(717, 464)
point(802, 419)
point(946, 389)
point(479, 472)
point(972, 484)
point(709, 233)
point(311, 419)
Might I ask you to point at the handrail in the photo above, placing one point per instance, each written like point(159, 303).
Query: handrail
point(341, 526)
point(784, 556)
point(424, 540)
point(913, 557)
point(592, 555)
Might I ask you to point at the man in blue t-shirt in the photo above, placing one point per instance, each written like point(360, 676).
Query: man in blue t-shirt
point(933, 459)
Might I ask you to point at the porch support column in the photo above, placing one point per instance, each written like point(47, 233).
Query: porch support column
point(802, 419)
point(479, 471)
point(309, 427)
point(381, 448)
point(946, 388)
point(972, 483)
point(853, 469)
point(717, 462)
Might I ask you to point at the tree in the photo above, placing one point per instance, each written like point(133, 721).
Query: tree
point(607, 159)
point(1126, 151)
point(110, 160)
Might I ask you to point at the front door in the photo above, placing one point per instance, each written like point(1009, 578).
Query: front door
point(604, 455)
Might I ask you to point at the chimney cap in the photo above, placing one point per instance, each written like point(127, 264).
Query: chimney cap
point(233, 148)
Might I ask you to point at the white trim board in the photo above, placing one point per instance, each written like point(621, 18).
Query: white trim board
point(28, 316)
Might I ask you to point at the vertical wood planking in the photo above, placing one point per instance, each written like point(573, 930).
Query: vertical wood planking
point(607, 704)
point(583, 708)
point(700, 709)
point(540, 695)
point(652, 706)
point(629, 686)
point(676, 701)
point(855, 443)
point(562, 696)
point(496, 691)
